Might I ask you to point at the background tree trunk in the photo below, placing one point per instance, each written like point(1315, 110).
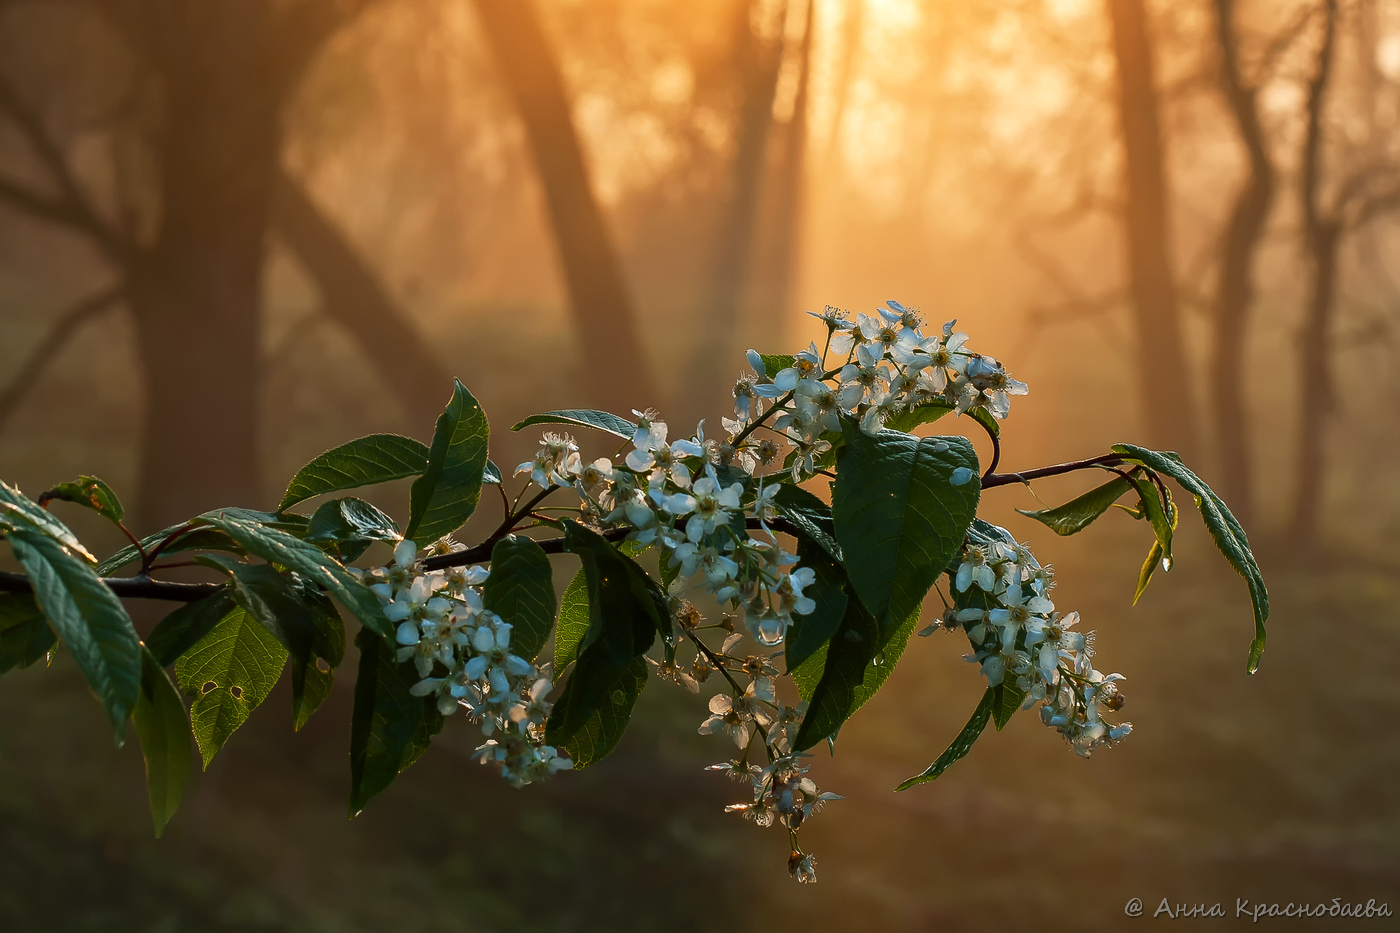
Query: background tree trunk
point(781, 245)
point(1322, 235)
point(196, 292)
point(1235, 289)
point(618, 371)
point(353, 296)
point(758, 60)
point(1165, 388)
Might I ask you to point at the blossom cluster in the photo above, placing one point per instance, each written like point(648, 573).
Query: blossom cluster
point(883, 366)
point(461, 652)
point(1001, 601)
point(680, 496)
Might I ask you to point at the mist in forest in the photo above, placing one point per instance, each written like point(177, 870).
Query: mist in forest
point(235, 235)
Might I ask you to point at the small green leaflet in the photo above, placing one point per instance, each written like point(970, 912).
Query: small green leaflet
point(774, 363)
point(390, 728)
point(900, 516)
point(1009, 698)
point(521, 591)
point(91, 492)
point(1224, 529)
point(18, 511)
point(929, 412)
point(583, 418)
point(377, 458)
point(89, 619)
point(961, 745)
point(24, 635)
point(1081, 511)
point(229, 672)
point(164, 733)
point(600, 734)
point(445, 496)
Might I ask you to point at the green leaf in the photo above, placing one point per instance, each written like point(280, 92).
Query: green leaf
point(810, 633)
point(1009, 698)
point(24, 635)
point(278, 547)
point(623, 622)
point(18, 511)
point(855, 668)
point(351, 519)
point(390, 727)
point(229, 672)
point(899, 517)
point(1078, 513)
point(597, 738)
point(919, 415)
point(180, 630)
point(774, 363)
point(1224, 529)
point(88, 618)
point(1163, 525)
point(573, 623)
point(365, 461)
point(961, 745)
point(1149, 566)
point(583, 418)
point(809, 514)
point(313, 677)
point(929, 412)
point(492, 474)
point(521, 591)
point(91, 492)
point(263, 591)
point(445, 496)
point(164, 732)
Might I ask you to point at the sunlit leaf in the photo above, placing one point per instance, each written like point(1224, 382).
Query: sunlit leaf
point(87, 617)
point(583, 418)
point(445, 496)
point(90, 492)
point(229, 672)
point(1081, 511)
point(365, 461)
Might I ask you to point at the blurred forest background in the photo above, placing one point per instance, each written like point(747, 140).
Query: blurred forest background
point(233, 235)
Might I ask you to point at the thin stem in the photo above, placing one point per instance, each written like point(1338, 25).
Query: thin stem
point(716, 663)
point(1002, 479)
point(996, 451)
point(148, 559)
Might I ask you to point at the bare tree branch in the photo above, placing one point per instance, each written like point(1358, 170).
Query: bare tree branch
point(354, 297)
point(58, 335)
point(73, 206)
